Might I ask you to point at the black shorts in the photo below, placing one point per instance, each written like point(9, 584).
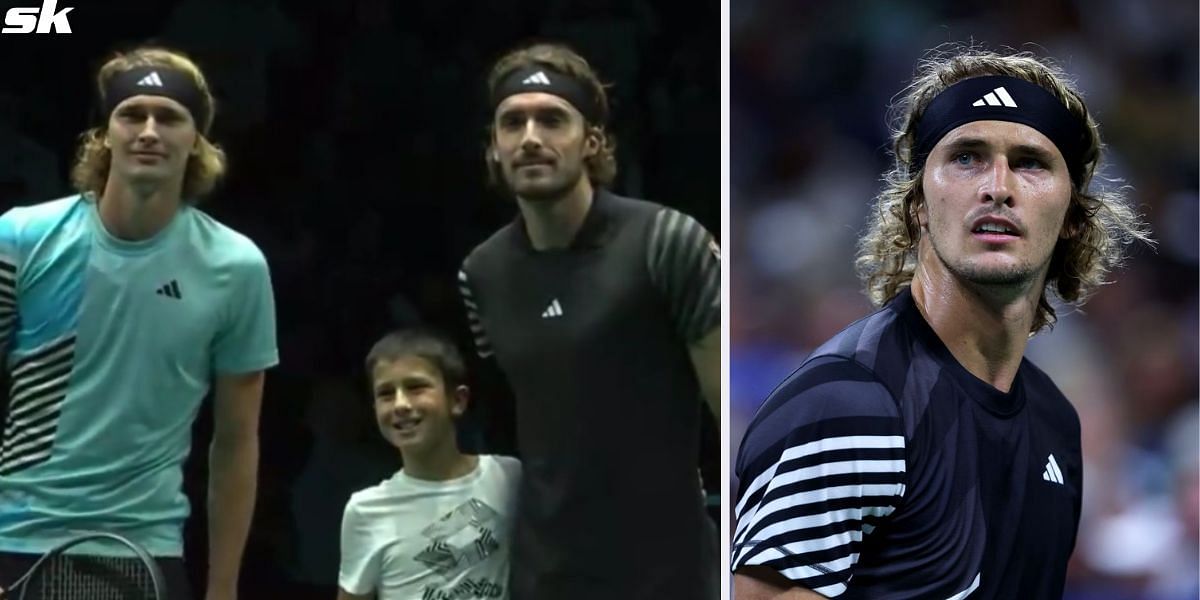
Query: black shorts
point(91, 577)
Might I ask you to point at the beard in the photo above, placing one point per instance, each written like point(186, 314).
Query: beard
point(1019, 274)
point(552, 187)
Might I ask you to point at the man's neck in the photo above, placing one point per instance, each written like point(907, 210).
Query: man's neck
point(985, 328)
point(439, 463)
point(131, 212)
point(552, 223)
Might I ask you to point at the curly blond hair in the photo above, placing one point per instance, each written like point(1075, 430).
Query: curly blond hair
point(1102, 223)
point(205, 166)
point(601, 167)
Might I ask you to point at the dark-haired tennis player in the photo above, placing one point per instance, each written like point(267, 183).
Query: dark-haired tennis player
point(120, 308)
point(603, 313)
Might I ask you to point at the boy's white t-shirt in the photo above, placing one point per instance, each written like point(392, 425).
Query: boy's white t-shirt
point(409, 538)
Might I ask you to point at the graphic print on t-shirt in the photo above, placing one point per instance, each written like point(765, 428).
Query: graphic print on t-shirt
point(461, 538)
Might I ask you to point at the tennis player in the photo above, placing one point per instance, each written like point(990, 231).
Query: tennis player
point(917, 454)
point(120, 308)
point(603, 313)
point(440, 529)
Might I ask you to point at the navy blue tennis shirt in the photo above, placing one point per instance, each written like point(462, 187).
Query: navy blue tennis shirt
point(882, 469)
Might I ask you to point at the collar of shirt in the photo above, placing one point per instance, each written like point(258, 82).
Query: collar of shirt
point(595, 232)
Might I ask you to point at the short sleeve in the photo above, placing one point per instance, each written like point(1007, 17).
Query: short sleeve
point(822, 464)
point(246, 341)
point(685, 266)
point(482, 345)
point(359, 569)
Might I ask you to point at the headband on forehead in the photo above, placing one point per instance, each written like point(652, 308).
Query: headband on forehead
point(156, 81)
point(540, 78)
point(1002, 98)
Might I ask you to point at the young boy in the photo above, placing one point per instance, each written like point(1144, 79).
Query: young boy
point(438, 529)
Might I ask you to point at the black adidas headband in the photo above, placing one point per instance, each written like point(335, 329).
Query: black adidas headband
point(541, 78)
point(156, 81)
point(1002, 98)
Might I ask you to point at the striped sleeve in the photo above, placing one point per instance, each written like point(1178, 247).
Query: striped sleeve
point(482, 345)
point(820, 467)
point(9, 262)
point(685, 266)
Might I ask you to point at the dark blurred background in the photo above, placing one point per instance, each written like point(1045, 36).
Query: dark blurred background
point(810, 83)
point(355, 131)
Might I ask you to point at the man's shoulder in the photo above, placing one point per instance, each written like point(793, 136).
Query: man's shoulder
point(638, 216)
point(873, 343)
point(1046, 395)
point(629, 206)
point(497, 246)
point(28, 218)
point(829, 386)
point(844, 378)
point(222, 242)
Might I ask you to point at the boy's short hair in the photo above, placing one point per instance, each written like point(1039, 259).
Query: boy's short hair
point(429, 344)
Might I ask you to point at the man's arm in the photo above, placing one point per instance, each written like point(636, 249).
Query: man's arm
point(684, 263)
point(815, 478)
point(497, 412)
point(706, 360)
point(763, 583)
point(232, 479)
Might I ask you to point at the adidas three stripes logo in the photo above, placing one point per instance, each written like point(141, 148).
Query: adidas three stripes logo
point(170, 290)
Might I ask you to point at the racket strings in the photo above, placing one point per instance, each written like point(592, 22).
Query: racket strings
point(70, 577)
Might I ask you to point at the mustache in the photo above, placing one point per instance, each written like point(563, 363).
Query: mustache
point(999, 212)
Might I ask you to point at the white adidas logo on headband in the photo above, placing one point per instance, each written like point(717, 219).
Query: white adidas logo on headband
point(991, 99)
point(151, 79)
point(538, 78)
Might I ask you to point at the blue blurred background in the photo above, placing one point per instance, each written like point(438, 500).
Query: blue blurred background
point(810, 86)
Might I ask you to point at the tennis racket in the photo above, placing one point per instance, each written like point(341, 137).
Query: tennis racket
point(60, 576)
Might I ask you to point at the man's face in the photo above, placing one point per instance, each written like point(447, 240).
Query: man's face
point(540, 142)
point(151, 139)
point(413, 409)
point(996, 197)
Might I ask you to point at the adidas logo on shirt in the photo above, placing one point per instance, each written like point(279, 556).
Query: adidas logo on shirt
point(151, 80)
point(996, 97)
point(1052, 473)
point(552, 311)
point(170, 290)
point(538, 78)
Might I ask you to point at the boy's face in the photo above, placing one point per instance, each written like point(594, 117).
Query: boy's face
point(413, 409)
